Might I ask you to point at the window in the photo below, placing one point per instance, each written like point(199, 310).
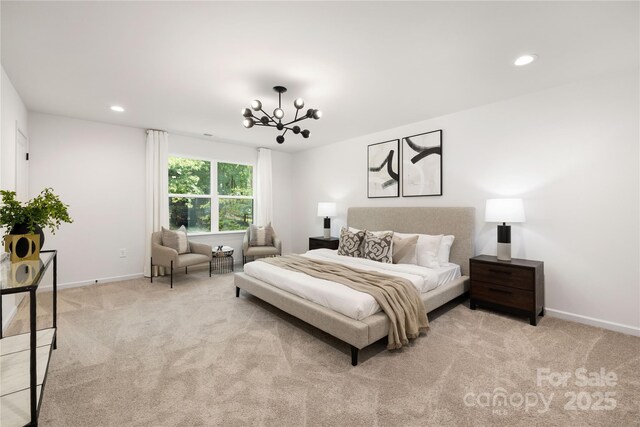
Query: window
point(192, 203)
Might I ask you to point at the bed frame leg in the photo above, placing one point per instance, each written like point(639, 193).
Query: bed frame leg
point(237, 292)
point(354, 356)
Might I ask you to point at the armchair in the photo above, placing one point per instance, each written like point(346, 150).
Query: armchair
point(168, 257)
point(260, 251)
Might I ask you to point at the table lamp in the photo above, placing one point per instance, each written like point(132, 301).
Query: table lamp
point(504, 210)
point(327, 209)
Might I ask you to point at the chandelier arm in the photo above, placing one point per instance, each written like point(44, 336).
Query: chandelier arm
point(296, 120)
point(270, 118)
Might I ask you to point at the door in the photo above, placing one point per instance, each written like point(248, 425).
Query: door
point(22, 166)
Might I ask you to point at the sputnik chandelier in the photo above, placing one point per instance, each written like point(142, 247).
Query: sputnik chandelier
point(275, 121)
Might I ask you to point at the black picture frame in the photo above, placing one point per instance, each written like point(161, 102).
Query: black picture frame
point(383, 169)
point(422, 164)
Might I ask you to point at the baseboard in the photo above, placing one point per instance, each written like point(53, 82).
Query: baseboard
point(618, 327)
point(92, 282)
point(113, 279)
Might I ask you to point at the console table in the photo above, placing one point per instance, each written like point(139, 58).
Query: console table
point(25, 357)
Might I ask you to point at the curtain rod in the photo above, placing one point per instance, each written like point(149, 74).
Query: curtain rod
point(157, 130)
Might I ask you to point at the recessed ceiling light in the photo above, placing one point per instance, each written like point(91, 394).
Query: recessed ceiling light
point(525, 59)
point(117, 108)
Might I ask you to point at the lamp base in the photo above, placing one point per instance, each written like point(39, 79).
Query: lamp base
point(504, 251)
point(327, 227)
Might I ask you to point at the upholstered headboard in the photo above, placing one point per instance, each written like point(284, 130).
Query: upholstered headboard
point(424, 220)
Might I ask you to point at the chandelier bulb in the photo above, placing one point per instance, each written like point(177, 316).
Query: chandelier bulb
point(279, 113)
point(280, 139)
point(256, 105)
point(296, 129)
point(310, 112)
point(248, 122)
point(317, 114)
point(264, 120)
point(246, 112)
point(298, 103)
point(305, 133)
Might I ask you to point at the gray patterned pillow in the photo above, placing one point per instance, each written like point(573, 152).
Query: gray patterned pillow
point(261, 235)
point(176, 239)
point(378, 248)
point(350, 243)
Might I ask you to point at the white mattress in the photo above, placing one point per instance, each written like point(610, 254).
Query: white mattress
point(355, 304)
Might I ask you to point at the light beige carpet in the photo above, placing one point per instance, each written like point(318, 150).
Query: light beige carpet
point(139, 354)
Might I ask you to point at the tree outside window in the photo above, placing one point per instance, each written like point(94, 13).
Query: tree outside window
point(194, 205)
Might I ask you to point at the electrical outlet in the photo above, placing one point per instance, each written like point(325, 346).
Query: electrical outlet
point(123, 253)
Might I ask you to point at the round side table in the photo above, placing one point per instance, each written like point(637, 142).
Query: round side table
point(222, 261)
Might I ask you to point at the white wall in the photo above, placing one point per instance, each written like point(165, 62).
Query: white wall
point(571, 153)
point(282, 168)
point(99, 171)
point(13, 113)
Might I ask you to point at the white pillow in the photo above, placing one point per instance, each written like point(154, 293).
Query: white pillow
point(445, 250)
point(427, 249)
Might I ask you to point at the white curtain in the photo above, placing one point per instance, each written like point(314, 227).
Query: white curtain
point(264, 201)
point(157, 190)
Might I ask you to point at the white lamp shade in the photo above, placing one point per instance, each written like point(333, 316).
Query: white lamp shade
point(504, 210)
point(326, 209)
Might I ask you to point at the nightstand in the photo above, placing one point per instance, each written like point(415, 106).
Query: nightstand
point(516, 285)
point(321, 242)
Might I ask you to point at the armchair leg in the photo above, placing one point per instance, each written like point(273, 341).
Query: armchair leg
point(171, 274)
point(185, 271)
point(151, 270)
point(209, 268)
point(237, 292)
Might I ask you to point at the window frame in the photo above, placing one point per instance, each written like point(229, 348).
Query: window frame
point(214, 196)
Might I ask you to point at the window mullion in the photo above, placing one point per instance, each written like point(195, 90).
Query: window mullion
point(215, 210)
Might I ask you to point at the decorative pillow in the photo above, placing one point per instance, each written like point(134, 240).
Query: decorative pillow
point(260, 235)
point(445, 250)
point(350, 243)
point(404, 249)
point(176, 239)
point(378, 248)
point(375, 233)
point(427, 249)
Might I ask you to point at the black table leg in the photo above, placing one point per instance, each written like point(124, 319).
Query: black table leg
point(33, 372)
point(55, 299)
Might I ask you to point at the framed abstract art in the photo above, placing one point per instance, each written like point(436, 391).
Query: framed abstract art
point(383, 169)
point(422, 164)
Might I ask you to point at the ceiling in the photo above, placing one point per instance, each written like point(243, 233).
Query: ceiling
point(190, 67)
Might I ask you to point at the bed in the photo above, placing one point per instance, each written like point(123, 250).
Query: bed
point(459, 221)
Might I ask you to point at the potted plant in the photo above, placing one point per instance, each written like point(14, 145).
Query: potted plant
point(46, 210)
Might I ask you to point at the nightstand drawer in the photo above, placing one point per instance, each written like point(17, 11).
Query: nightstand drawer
point(503, 295)
point(504, 275)
point(322, 243)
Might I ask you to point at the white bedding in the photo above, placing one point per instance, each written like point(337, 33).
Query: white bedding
point(343, 299)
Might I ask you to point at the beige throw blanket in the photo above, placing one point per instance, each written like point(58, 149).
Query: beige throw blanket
point(397, 297)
